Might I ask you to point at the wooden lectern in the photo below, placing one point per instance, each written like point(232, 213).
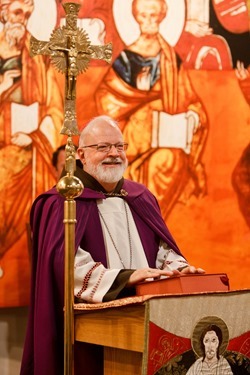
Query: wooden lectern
point(120, 330)
point(142, 334)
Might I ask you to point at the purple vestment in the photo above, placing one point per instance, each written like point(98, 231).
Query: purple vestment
point(43, 350)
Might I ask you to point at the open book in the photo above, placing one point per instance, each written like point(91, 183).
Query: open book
point(24, 118)
point(171, 131)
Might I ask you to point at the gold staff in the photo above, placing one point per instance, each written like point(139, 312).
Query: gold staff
point(70, 52)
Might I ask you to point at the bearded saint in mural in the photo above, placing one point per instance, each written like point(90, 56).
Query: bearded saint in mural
point(144, 85)
point(28, 91)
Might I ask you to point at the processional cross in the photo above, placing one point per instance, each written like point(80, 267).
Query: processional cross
point(70, 51)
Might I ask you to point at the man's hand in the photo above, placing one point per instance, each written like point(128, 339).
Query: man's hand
point(7, 79)
point(193, 120)
point(21, 139)
point(240, 71)
point(198, 28)
point(144, 274)
point(191, 269)
point(149, 273)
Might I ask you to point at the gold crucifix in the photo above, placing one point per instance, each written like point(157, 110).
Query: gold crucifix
point(70, 51)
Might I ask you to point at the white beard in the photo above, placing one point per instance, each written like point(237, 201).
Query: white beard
point(14, 33)
point(107, 175)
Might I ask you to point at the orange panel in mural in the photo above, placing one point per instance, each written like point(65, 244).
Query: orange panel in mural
point(178, 84)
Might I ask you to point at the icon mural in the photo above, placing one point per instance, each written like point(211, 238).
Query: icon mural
point(173, 86)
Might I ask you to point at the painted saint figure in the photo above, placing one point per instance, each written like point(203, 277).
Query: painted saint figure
point(31, 114)
point(150, 96)
point(210, 347)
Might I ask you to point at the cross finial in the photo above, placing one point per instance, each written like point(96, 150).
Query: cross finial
point(70, 51)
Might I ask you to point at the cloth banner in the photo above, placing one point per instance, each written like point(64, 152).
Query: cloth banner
point(179, 328)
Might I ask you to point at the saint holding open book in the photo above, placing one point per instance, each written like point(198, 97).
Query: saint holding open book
point(153, 99)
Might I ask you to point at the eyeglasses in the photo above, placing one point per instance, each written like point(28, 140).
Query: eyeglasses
point(106, 147)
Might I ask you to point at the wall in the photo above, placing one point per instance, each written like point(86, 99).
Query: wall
point(12, 334)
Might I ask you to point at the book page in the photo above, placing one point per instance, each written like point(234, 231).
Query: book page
point(24, 118)
point(171, 131)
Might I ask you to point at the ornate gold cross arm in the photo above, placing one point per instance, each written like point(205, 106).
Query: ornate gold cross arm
point(57, 51)
point(38, 47)
point(102, 52)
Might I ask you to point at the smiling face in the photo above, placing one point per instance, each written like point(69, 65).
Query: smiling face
point(106, 167)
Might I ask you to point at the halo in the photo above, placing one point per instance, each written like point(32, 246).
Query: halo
point(199, 328)
point(36, 24)
point(170, 28)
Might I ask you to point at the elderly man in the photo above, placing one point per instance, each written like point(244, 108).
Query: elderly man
point(28, 90)
point(146, 91)
point(121, 240)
